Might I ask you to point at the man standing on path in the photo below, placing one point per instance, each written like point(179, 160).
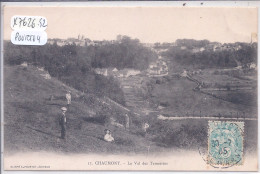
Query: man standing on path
point(68, 97)
point(63, 122)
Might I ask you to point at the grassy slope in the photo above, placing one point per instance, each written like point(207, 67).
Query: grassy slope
point(31, 120)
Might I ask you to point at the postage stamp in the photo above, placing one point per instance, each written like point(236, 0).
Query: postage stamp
point(225, 143)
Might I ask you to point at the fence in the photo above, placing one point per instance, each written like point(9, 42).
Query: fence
point(230, 116)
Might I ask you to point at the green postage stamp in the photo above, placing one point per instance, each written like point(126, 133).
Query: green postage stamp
point(225, 143)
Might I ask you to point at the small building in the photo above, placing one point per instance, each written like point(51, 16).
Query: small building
point(252, 66)
point(101, 71)
point(184, 73)
point(238, 67)
point(183, 48)
point(115, 70)
point(131, 72)
point(24, 64)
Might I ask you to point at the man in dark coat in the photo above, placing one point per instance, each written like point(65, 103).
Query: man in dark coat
point(63, 122)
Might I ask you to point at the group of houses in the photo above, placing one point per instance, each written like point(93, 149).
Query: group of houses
point(79, 42)
point(124, 73)
point(158, 68)
point(215, 46)
point(210, 46)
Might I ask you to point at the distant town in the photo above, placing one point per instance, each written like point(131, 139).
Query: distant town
point(211, 46)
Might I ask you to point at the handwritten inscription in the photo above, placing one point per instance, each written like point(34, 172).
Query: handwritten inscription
point(29, 23)
point(29, 37)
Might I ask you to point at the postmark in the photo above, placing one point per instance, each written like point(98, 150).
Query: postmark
point(225, 143)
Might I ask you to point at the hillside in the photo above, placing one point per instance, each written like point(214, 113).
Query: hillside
point(178, 98)
point(31, 119)
point(195, 54)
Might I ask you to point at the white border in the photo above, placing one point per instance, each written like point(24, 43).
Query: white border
point(140, 3)
point(122, 4)
point(1, 89)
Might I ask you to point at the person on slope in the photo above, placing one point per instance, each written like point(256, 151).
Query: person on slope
point(145, 126)
point(63, 122)
point(68, 97)
point(108, 137)
point(127, 121)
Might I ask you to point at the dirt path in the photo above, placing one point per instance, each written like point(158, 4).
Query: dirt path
point(132, 86)
point(134, 101)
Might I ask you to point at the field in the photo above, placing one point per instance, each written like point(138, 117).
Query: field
point(226, 93)
point(179, 99)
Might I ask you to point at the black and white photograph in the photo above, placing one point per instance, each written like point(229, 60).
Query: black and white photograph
point(130, 88)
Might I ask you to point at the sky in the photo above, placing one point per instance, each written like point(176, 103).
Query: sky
point(148, 24)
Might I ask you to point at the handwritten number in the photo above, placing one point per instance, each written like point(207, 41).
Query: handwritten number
point(29, 21)
point(33, 23)
point(42, 23)
point(24, 21)
point(15, 19)
point(20, 22)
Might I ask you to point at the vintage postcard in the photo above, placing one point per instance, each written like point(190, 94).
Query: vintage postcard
point(130, 88)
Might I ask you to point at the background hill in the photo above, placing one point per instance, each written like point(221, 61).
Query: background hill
point(202, 54)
